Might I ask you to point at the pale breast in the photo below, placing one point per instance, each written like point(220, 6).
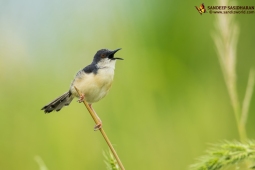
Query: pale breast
point(94, 86)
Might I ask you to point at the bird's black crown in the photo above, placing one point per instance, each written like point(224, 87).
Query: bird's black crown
point(105, 53)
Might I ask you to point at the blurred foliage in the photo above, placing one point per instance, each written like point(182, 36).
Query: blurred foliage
point(168, 99)
point(231, 155)
point(110, 161)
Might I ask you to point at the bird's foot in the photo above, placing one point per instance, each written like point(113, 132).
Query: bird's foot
point(81, 99)
point(98, 126)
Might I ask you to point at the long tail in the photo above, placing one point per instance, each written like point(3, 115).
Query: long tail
point(58, 103)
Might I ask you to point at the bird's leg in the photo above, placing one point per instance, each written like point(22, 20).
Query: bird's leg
point(99, 124)
point(81, 98)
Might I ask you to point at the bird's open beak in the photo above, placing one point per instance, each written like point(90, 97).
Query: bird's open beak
point(111, 55)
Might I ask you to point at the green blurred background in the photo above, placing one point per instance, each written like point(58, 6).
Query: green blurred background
point(168, 100)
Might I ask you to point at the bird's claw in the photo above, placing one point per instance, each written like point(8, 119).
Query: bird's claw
point(81, 99)
point(98, 126)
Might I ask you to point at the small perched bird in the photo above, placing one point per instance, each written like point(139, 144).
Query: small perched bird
point(94, 81)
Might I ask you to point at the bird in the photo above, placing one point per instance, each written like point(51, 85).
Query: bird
point(93, 81)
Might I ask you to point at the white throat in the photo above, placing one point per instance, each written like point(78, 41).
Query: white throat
point(106, 63)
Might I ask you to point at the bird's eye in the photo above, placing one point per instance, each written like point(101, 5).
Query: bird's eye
point(103, 56)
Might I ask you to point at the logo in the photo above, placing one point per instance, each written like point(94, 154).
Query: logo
point(217, 9)
point(201, 9)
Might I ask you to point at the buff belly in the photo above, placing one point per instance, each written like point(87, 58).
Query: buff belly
point(93, 86)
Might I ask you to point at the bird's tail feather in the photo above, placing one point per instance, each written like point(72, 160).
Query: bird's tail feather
point(58, 103)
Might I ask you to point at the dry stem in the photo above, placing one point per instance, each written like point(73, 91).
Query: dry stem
point(93, 115)
point(247, 99)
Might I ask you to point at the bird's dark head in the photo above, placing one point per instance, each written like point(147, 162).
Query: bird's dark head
point(105, 55)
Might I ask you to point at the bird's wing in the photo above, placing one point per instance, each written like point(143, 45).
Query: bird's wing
point(88, 69)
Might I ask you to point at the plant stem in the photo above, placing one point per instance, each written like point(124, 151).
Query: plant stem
point(102, 132)
point(226, 43)
point(231, 86)
point(247, 100)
